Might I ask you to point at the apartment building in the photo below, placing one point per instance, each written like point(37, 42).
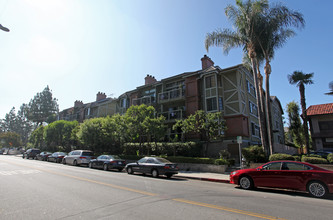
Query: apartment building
point(321, 126)
point(212, 88)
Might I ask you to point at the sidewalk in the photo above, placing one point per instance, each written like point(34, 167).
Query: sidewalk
point(213, 177)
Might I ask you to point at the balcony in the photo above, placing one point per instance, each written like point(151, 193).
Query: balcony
point(147, 100)
point(173, 115)
point(171, 95)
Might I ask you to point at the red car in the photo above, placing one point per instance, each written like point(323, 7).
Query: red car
point(287, 175)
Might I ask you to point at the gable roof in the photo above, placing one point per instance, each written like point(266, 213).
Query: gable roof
point(322, 109)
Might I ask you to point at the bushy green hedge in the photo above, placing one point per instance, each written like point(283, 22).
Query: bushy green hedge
point(314, 160)
point(330, 158)
point(254, 154)
point(187, 149)
point(274, 157)
point(191, 160)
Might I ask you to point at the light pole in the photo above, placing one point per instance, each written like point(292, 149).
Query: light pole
point(4, 28)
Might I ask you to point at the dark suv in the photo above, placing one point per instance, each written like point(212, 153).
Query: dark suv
point(31, 153)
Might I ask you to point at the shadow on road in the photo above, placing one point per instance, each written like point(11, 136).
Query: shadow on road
point(288, 192)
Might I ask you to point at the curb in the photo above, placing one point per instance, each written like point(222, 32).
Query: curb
point(205, 179)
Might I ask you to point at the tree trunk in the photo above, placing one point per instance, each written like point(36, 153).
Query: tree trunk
point(268, 107)
point(304, 117)
point(260, 109)
point(262, 103)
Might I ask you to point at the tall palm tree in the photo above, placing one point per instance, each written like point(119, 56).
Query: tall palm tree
point(244, 18)
point(274, 24)
point(301, 79)
point(331, 88)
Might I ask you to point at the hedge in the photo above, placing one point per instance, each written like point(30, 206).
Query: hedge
point(254, 154)
point(188, 149)
point(314, 160)
point(330, 158)
point(274, 157)
point(191, 160)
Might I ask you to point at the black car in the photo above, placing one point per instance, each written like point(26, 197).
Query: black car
point(43, 156)
point(153, 165)
point(31, 153)
point(322, 153)
point(108, 162)
point(56, 157)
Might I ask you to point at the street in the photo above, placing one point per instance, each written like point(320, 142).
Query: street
point(31, 189)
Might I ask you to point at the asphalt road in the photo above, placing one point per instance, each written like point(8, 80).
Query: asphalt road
point(32, 189)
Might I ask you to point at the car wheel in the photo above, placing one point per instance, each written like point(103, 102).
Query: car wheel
point(246, 182)
point(64, 161)
point(90, 165)
point(75, 163)
point(27, 157)
point(317, 189)
point(48, 160)
point(105, 167)
point(129, 170)
point(154, 172)
point(168, 176)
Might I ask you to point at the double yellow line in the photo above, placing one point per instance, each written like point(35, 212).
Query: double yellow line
point(226, 209)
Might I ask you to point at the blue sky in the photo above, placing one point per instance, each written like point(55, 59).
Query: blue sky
point(82, 47)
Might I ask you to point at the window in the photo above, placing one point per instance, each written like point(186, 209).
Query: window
point(272, 166)
point(210, 81)
point(253, 108)
point(250, 88)
point(325, 125)
point(220, 104)
point(295, 166)
point(255, 130)
point(211, 104)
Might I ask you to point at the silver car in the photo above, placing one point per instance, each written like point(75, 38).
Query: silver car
point(78, 157)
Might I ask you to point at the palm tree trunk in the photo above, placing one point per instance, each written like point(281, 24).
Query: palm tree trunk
point(262, 109)
point(260, 112)
point(304, 117)
point(268, 107)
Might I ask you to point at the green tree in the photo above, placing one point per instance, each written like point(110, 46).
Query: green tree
point(36, 139)
point(295, 131)
point(210, 126)
point(59, 133)
point(42, 108)
point(301, 79)
point(274, 25)
point(245, 18)
point(10, 139)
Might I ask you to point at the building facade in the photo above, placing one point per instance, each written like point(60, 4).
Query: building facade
point(212, 89)
point(321, 126)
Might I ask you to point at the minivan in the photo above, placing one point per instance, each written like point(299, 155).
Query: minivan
point(78, 157)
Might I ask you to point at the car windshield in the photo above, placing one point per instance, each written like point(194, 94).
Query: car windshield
point(114, 157)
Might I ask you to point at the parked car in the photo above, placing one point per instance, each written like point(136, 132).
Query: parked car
point(153, 165)
point(78, 157)
point(56, 157)
point(108, 162)
point(322, 153)
point(43, 156)
point(30, 153)
point(287, 175)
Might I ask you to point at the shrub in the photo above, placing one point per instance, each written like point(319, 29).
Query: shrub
point(315, 155)
point(191, 160)
point(330, 158)
point(281, 157)
point(254, 154)
point(221, 162)
point(314, 160)
point(297, 158)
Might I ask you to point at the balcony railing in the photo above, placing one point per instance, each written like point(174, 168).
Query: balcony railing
point(173, 115)
point(147, 100)
point(171, 95)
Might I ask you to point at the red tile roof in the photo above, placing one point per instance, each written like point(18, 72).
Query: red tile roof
point(322, 109)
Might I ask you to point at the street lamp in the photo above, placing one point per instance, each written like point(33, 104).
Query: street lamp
point(4, 28)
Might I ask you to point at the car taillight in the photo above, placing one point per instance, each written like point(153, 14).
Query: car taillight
point(111, 161)
point(83, 158)
point(166, 167)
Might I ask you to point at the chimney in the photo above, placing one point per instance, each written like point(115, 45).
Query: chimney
point(206, 62)
point(100, 96)
point(78, 104)
point(149, 79)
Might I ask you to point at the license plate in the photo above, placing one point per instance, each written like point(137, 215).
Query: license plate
point(119, 162)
